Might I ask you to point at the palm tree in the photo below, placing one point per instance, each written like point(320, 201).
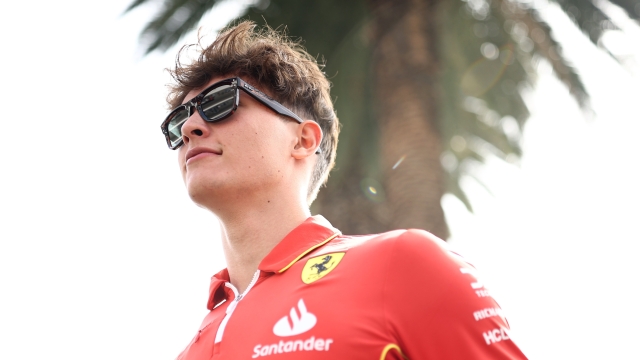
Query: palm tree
point(425, 89)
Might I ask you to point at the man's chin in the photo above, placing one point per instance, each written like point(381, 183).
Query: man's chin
point(200, 194)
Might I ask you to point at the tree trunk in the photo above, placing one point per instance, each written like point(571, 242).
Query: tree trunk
point(405, 76)
point(405, 66)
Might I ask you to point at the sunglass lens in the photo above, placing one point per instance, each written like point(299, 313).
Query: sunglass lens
point(219, 102)
point(174, 127)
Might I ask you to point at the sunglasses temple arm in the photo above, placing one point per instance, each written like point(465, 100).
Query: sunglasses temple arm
point(263, 98)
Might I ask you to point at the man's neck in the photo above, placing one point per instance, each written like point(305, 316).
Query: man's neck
point(250, 235)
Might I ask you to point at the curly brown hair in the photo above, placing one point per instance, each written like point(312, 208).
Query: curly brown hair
point(280, 66)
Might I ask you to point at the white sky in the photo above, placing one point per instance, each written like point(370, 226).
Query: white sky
point(102, 255)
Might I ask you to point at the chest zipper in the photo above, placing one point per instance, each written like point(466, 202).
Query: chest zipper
point(233, 304)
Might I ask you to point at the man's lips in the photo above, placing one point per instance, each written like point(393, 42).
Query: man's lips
point(199, 152)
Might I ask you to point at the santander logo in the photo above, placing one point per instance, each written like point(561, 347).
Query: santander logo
point(296, 323)
point(299, 323)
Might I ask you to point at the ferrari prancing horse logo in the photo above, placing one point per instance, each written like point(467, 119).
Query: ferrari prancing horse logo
point(319, 266)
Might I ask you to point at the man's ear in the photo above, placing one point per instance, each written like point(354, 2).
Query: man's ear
point(309, 136)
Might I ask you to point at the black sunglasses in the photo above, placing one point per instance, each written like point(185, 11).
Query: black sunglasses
point(216, 103)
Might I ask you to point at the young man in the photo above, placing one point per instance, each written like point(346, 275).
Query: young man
point(256, 135)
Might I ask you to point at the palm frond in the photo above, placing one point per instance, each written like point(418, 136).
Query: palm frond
point(594, 18)
point(134, 5)
point(456, 190)
point(586, 15)
point(631, 7)
point(480, 91)
point(538, 33)
point(172, 22)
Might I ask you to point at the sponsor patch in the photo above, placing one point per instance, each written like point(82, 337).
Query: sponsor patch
point(319, 266)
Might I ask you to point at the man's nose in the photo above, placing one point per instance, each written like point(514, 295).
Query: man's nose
point(194, 127)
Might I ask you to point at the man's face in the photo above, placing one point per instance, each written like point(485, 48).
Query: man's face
point(239, 158)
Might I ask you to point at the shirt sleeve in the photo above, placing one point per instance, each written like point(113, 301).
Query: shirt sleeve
point(436, 306)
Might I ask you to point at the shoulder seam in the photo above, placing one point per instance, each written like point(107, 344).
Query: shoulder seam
point(385, 283)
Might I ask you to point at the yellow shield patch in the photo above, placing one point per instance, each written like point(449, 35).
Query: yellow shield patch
point(319, 266)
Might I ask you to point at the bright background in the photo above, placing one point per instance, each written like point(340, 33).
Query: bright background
point(103, 256)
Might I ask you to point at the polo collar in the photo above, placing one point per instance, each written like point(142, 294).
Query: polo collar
point(313, 233)
point(308, 236)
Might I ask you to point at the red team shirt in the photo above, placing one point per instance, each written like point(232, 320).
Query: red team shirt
point(322, 295)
